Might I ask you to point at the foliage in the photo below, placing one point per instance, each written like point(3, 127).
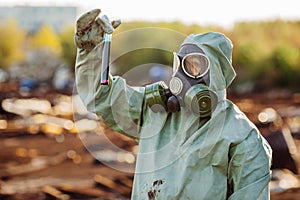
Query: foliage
point(68, 49)
point(11, 38)
point(46, 38)
point(265, 54)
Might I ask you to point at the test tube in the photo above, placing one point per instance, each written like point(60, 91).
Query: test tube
point(105, 59)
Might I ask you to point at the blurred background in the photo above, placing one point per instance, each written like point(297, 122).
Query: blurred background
point(52, 148)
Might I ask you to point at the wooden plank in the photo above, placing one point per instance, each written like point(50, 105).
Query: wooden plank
point(55, 193)
point(108, 183)
point(87, 191)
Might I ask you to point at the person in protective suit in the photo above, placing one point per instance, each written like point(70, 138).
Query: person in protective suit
point(193, 142)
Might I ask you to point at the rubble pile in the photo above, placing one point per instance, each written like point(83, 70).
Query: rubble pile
point(48, 140)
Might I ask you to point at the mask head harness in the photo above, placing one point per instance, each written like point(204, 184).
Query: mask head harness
point(188, 86)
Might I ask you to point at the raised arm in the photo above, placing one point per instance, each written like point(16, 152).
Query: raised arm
point(117, 104)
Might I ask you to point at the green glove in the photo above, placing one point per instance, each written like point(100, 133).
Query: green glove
point(90, 29)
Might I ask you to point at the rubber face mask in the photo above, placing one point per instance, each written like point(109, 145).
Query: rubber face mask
point(188, 86)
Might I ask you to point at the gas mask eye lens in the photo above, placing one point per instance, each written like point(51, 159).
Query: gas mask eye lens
point(195, 65)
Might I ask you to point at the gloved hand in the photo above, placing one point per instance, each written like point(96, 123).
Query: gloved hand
point(90, 29)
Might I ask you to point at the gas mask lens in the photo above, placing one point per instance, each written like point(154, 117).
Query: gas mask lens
point(195, 65)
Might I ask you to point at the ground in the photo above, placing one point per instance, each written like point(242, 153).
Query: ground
point(44, 166)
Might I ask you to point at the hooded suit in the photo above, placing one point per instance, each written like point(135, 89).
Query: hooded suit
point(181, 156)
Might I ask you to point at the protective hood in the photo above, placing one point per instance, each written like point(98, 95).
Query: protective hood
point(218, 48)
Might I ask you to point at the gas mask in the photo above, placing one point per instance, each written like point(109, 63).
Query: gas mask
point(188, 86)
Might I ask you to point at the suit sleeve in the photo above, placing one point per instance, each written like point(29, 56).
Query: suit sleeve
point(117, 104)
point(249, 169)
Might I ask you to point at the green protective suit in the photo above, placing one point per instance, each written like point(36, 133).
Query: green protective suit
point(180, 156)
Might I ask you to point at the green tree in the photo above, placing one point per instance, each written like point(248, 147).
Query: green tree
point(267, 53)
point(285, 66)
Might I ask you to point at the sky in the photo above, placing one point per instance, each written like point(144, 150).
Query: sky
point(214, 12)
